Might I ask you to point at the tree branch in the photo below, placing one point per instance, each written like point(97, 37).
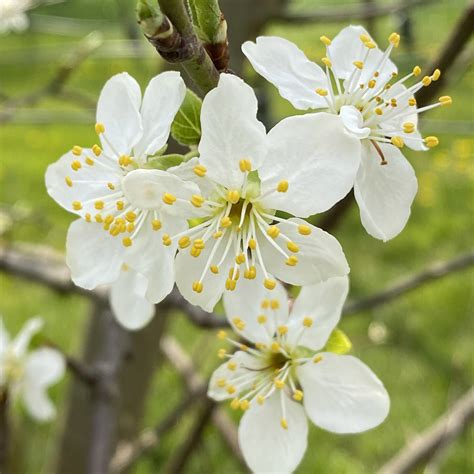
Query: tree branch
point(437, 437)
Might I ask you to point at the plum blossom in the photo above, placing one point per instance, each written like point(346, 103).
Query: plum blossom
point(117, 240)
point(360, 84)
point(242, 178)
point(13, 15)
point(290, 371)
point(27, 375)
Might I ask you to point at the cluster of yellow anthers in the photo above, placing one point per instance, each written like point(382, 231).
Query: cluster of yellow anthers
point(112, 210)
point(380, 101)
point(234, 222)
point(274, 366)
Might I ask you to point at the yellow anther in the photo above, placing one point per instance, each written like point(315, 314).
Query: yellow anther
point(279, 384)
point(184, 242)
point(275, 347)
point(326, 61)
point(109, 219)
point(130, 227)
point(166, 240)
point(233, 196)
point(221, 383)
point(239, 259)
point(317, 359)
point(156, 224)
point(408, 127)
point(325, 40)
point(307, 322)
point(378, 111)
point(235, 404)
point(274, 304)
point(445, 100)
point(370, 45)
point(88, 217)
point(231, 389)
point(76, 165)
point(221, 334)
point(120, 205)
point(426, 81)
point(197, 200)
point(273, 231)
point(239, 324)
point(393, 102)
point(130, 216)
point(232, 365)
point(250, 273)
point(394, 38)
point(245, 166)
point(436, 75)
point(77, 150)
point(243, 347)
point(197, 286)
point(230, 284)
point(125, 160)
point(358, 64)
point(282, 330)
point(98, 218)
point(90, 161)
point(371, 84)
point(298, 395)
point(97, 150)
point(431, 142)
point(226, 222)
point(269, 284)
point(282, 186)
point(169, 199)
point(260, 399)
point(111, 186)
point(214, 269)
point(292, 247)
point(265, 303)
point(261, 319)
point(99, 205)
point(322, 92)
point(200, 170)
point(221, 353)
point(217, 234)
point(76, 205)
point(304, 229)
point(68, 181)
point(127, 241)
point(397, 141)
point(292, 260)
point(194, 252)
point(412, 102)
point(365, 38)
point(199, 244)
point(99, 128)
point(252, 244)
point(244, 405)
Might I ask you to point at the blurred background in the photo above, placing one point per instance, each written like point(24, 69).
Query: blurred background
point(419, 344)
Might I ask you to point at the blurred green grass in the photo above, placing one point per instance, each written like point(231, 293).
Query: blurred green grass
point(420, 345)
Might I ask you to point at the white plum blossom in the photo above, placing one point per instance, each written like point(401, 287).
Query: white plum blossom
point(118, 240)
point(243, 177)
point(289, 372)
point(13, 15)
point(360, 85)
point(27, 375)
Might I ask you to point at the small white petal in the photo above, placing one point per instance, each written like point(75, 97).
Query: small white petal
point(268, 447)
point(21, 342)
point(230, 131)
point(284, 65)
point(384, 193)
point(342, 395)
point(353, 121)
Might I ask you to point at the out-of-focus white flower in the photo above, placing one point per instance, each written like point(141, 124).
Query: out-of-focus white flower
point(360, 85)
point(118, 240)
point(27, 375)
point(13, 15)
point(304, 166)
point(291, 371)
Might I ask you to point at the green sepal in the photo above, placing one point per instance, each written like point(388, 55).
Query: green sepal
point(253, 184)
point(164, 162)
point(338, 343)
point(186, 127)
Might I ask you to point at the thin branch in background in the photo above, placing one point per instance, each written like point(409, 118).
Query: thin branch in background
point(436, 438)
point(4, 431)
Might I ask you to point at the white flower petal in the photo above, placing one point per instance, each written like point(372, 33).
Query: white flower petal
point(230, 131)
point(353, 121)
point(185, 171)
point(118, 110)
point(322, 303)
point(4, 338)
point(93, 255)
point(384, 193)
point(245, 303)
point(20, 343)
point(37, 403)
point(317, 157)
point(89, 183)
point(127, 298)
point(342, 395)
point(266, 446)
point(146, 189)
point(320, 255)
point(161, 102)
point(284, 65)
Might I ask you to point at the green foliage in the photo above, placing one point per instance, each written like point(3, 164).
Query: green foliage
point(186, 128)
point(338, 342)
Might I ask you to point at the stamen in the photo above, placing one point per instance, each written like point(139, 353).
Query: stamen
point(76, 150)
point(233, 196)
point(431, 141)
point(200, 170)
point(169, 198)
point(325, 40)
point(99, 128)
point(245, 165)
point(304, 229)
point(282, 186)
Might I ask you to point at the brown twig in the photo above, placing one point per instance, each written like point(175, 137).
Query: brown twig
point(437, 437)
point(4, 432)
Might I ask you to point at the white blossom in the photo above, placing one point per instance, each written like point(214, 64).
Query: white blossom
point(360, 85)
point(13, 15)
point(27, 375)
point(288, 372)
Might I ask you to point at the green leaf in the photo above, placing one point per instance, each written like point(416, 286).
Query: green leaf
point(338, 342)
point(164, 162)
point(186, 127)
